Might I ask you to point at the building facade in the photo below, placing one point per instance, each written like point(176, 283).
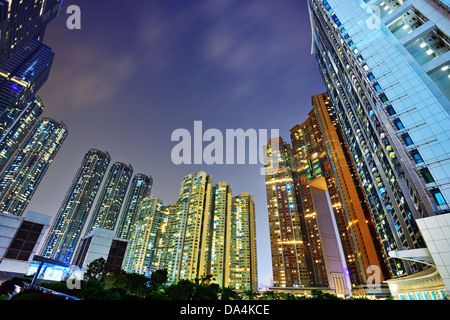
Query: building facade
point(71, 218)
point(392, 109)
point(361, 242)
point(161, 254)
point(110, 201)
point(101, 243)
point(143, 236)
point(243, 264)
point(194, 257)
point(24, 20)
point(220, 232)
point(20, 79)
point(19, 240)
point(140, 187)
point(288, 250)
point(22, 176)
point(207, 232)
point(18, 131)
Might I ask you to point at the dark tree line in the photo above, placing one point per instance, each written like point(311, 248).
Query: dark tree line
point(100, 284)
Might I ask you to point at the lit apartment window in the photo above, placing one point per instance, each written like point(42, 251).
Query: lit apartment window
point(390, 110)
point(427, 175)
point(416, 156)
point(407, 139)
point(398, 124)
point(384, 98)
point(437, 195)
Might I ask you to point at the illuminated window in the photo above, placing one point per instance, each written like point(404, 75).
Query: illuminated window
point(390, 110)
point(438, 197)
point(398, 124)
point(427, 175)
point(416, 156)
point(407, 139)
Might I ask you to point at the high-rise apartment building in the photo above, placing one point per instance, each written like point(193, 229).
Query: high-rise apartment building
point(143, 236)
point(219, 264)
point(385, 66)
point(177, 228)
point(13, 137)
point(315, 202)
point(193, 258)
point(206, 232)
point(288, 250)
point(359, 238)
point(109, 203)
point(70, 220)
point(320, 152)
point(140, 187)
point(21, 177)
point(243, 265)
point(161, 253)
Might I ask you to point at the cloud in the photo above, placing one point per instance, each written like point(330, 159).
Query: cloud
point(253, 41)
point(83, 77)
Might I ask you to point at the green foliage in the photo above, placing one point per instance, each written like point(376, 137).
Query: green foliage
point(320, 295)
point(96, 270)
point(98, 284)
point(250, 295)
point(229, 294)
point(131, 284)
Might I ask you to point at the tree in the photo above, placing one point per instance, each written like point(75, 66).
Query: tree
point(132, 283)
point(97, 270)
point(270, 295)
point(320, 295)
point(181, 290)
point(229, 294)
point(250, 294)
point(287, 296)
point(158, 279)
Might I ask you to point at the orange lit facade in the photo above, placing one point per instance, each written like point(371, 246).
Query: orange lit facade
point(352, 211)
point(289, 264)
point(300, 243)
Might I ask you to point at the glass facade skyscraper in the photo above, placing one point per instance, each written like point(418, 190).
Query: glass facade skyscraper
point(20, 79)
point(24, 20)
point(25, 64)
point(21, 177)
point(385, 66)
point(110, 201)
point(72, 215)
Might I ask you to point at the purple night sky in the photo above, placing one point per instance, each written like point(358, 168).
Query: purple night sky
point(138, 70)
